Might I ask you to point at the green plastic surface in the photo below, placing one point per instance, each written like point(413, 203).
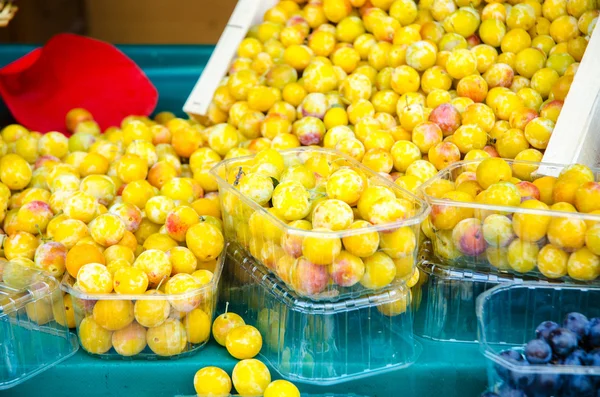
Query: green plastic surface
point(444, 369)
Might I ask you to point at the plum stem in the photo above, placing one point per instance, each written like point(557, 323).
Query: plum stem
point(238, 176)
point(159, 284)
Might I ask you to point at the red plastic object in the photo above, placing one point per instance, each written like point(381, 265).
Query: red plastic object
point(72, 71)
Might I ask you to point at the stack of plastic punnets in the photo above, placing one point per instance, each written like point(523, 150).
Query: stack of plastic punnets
point(33, 324)
point(478, 244)
point(327, 334)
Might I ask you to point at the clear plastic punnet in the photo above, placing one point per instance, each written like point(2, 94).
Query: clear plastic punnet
point(33, 324)
point(320, 343)
point(543, 222)
point(445, 299)
point(149, 326)
point(508, 316)
point(327, 226)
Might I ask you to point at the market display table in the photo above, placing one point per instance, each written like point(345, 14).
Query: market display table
point(444, 369)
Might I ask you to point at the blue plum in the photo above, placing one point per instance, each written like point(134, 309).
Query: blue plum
point(593, 332)
point(577, 357)
point(563, 342)
point(513, 357)
point(577, 323)
point(510, 392)
point(594, 358)
point(521, 379)
point(537, 351)
point(543, 330)
point(579, 386)
point(547, 384)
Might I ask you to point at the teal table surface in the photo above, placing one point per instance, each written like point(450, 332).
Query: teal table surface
point(443, 369)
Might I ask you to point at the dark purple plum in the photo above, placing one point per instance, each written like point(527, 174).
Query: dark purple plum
point(593, 358)
point(543, 330)
point(547, 385)
point(520, 379)
point(538, 351)
point(513, 357)
point(563, 342)
point(577, 323)
point(593, 333)
point(577, 357)
point(579, 386)
point(510, 392)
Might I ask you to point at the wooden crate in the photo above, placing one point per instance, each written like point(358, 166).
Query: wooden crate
point(38, 20)
point(158, 21)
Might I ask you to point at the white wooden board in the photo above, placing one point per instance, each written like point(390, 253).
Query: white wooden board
point(576, 136)
point(246, 14)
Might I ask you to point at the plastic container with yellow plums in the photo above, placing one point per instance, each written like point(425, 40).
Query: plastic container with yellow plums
point(152, 325)
point(327, 226)
point(34, 327)
point(320, 343)
point(511, 216)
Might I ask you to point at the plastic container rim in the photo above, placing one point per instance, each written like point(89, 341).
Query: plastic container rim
point(451, 274)
point(428, 265)
point(488, 352)
point(46, 286)
point(417, 351)
point(74, 342)
point(517, 210)
point(211, 287)
point(419, 217)
point(274, 286)
point(40, 288)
